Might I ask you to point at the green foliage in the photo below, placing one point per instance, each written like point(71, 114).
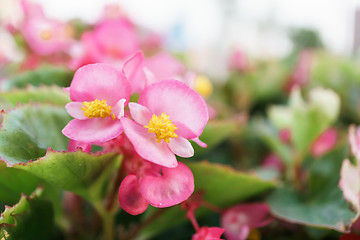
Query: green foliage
point(44, 94)
point(322, 203)
point(31, 218)
point(29, 130)
point(88, 175)
point(45, 75)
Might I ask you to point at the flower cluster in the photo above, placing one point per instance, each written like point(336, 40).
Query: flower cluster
point(159, 126)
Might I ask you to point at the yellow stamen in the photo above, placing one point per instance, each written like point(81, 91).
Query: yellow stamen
point(163, 127)
point(46, 34)
point(98, 109)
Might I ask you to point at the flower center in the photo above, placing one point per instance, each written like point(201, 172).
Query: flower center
point(162, 127)
point(46, 34)
point(98, 109)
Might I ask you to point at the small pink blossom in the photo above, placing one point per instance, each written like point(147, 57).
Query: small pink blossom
point(155, 185)
point(239, 220)
point(273, 161)
point(324, 143)
point(239, 61)
point(285, 135)
point(112, 42)
point(99, 94)
point(208, 233)
point(301, 73)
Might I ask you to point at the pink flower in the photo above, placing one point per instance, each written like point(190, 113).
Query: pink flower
point(208, 233)
point(46, 36)
point(239, 61)
point(240, 219)
point(155, 185)
point(142, 72)
point(167, 114)
point(324, 143)
point(99, 94)
point(301, 73)
point(354, 139)
point(274, 162)
point(112, 41)
point(285, 135)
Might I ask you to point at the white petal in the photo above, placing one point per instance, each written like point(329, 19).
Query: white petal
point(139, 113)
point(181, 147)
point(74, 109)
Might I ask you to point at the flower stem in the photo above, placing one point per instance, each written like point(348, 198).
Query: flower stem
point(108, 223)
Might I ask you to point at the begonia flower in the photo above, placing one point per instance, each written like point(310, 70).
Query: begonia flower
point(143, 72)
point(112, 42)
point(239, 61)
point(208, 233)
point(46, 36)
point(324, 143)
point(99, 94)
point(239, 220)
point(301, 73)
point(155, 185)
point(167, 114)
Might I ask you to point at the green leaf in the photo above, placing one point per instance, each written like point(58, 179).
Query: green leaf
point(31, 218)
point(29, 130)
point(45, 75)
point(87, 175)
point(322, 205)
point(13, 182)
point(44, 94)
point(222, 185)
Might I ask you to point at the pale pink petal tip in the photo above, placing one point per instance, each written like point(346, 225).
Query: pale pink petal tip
point(199, 142)
point(181, 147)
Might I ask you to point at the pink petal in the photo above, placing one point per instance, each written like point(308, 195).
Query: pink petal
point(181, 147)
point(181, 103)
point(146, 146)
point(74, 109)
point(130, 198)
point(208, 233)
point(174, 186)
point(199, 142)
point(238, 220)
point(93, 130)
point(156, 65)
point(324, 143)
point(99, 81)
point(76, 145)
point(133, 70)
point(139, 113)
point(118, 109)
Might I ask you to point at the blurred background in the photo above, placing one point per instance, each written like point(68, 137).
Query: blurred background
point(209, 30)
